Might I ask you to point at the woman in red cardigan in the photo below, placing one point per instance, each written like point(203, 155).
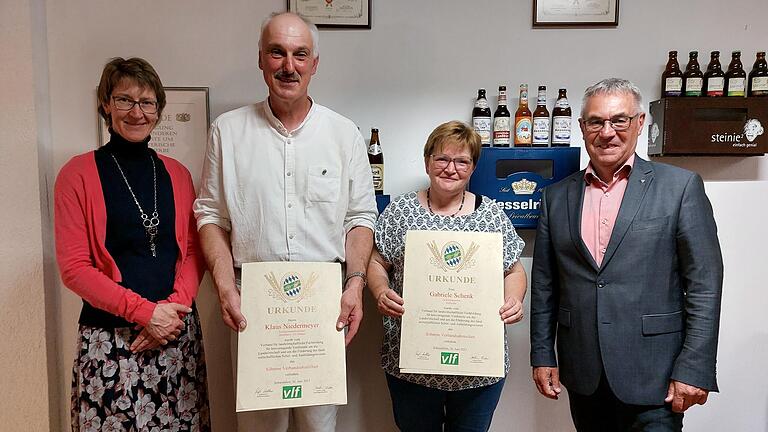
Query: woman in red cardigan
point(126, 243)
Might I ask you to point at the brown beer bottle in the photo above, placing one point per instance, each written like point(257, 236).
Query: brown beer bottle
point(523, 120)
point(541, 120)
point(693, 78)
point(736, 78)
point(561, 121)
point(501, 128)
point(481, 118)
point(714, 78)
point(376, 159)
point(672, 78)
point(758, 78)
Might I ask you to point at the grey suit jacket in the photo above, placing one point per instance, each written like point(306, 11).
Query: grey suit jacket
point(651, 311)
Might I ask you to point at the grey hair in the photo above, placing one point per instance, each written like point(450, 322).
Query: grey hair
point(312, 30)
point(613, 86)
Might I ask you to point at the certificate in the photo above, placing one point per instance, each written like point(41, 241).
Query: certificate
point(453, 287)
point(334, 13)
point(290, 354)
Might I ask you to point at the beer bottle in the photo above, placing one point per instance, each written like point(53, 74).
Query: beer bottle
point(541, 120)
point(693, 78)
point(561, 121)
point(714, 78)
point(736, 78)
point(672, 78)
point(523, 120)
point(758, 78)
point(376, 159)
point(481, 118)
point(501, 128)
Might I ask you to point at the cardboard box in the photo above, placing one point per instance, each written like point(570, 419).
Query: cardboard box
point(711, 126)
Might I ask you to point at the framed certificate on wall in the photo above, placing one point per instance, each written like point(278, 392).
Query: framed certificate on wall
point(575, 13)
point(334, 13)
point(182, 132)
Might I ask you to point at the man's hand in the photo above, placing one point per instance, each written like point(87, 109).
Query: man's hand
point(229, 301)
point(547, 380)
point(683, 395)
point(351, 310)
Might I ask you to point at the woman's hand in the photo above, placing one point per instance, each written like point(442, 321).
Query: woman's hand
point(165, 324)
point(512, 311)
point(144, 341)
point(390, 304)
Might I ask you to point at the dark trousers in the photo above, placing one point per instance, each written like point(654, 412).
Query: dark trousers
point(423, 409)
point(604, 412)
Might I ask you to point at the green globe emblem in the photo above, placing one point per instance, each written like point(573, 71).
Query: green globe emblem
point(452, 254)
point(291, 285)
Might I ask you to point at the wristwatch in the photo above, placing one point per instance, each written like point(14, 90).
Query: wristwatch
point(359, 274)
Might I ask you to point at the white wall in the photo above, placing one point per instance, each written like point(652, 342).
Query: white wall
point(24, 371)
point(420, 65)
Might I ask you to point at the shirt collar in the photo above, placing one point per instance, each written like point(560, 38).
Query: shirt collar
point(278, 125)
point(622, 172)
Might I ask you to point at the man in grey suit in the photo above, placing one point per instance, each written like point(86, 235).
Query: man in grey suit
point(627, 279)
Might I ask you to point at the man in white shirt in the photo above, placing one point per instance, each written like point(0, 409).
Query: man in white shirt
point(286, 179)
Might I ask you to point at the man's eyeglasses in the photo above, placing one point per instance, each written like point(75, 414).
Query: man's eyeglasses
point(147, 106)
point(460, 163)
point(618, 123)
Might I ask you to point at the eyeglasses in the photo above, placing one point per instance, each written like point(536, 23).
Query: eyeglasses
point(618, 123)
point(147, 106)
point(460, 163)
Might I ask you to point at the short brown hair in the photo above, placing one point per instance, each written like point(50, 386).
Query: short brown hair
point(136, 70)
point(453, 132)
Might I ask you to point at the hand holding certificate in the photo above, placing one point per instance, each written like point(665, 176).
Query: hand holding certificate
point(453, 286)
point(291, 353)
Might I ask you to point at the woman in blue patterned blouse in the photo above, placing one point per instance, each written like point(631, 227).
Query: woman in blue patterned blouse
point(422, 402)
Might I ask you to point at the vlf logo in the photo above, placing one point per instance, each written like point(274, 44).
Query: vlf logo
point(292, 392)
point(449, 358)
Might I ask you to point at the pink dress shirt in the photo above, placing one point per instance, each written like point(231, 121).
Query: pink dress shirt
point(601, 206)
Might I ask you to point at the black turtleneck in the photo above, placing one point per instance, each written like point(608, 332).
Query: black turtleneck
point(126, 239)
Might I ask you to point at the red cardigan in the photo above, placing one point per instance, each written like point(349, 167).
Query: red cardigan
point(86, 266)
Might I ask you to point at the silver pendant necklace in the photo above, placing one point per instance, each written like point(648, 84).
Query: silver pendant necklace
point(150, 223)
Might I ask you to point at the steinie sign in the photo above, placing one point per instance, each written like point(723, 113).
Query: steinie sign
point(708, 126)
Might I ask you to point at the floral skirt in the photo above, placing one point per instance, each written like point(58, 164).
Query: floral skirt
point(164, 389)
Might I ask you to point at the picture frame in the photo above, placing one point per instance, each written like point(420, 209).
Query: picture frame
point(575, 13)
point(349, 14)
point(182, 132)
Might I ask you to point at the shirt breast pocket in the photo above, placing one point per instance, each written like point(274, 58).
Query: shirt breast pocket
point(323, 184)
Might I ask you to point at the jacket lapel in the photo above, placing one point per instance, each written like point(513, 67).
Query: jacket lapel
point(639, 180)
point(575, 201)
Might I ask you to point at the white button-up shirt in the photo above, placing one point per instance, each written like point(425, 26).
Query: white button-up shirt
point(285, 195)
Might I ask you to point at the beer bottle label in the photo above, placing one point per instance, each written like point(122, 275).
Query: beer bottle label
point(674, 86)
point(523, 130)
point(562, 103)
point(715, 86)
point(482, 126)
point(561, 130)
point(736, 86)
point(378, 177)
point(693, 86)
point(481, 103)
point(541, 130)
point(501, 131)
point(760, 84)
